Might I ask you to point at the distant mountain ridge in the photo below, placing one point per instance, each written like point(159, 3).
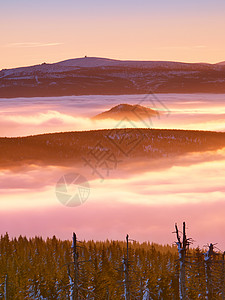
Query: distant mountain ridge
point(94, 75)
point(94, 62)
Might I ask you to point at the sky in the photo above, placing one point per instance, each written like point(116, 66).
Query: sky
point(34, 32)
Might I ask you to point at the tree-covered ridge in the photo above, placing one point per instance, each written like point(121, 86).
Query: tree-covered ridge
point(68, 147)
point(43, 269)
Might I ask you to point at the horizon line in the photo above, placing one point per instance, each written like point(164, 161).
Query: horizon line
point(107, 58)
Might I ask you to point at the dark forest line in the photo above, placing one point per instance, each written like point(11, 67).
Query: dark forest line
point(73, 147)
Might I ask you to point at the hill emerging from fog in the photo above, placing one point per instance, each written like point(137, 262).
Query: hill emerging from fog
point(131, 112)
point(115, 144)
point(101, 76)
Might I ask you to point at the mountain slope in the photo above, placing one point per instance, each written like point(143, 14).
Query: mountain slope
point(94, 62)
point(131, 112)
point(76, 147)
point(222, 63)
point(91, 75)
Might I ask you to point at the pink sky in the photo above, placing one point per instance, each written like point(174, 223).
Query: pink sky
point(109, 221)
point(36, 32)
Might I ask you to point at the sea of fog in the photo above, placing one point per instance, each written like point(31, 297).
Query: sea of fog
point(28, 116)
point(142, 200)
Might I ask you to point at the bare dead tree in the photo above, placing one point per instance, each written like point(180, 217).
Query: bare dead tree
point(126, 272)
point(182, 249)
point(71, 283)
point(223, 269)
point(75, 263)
point(208, 274)
point(73, 280)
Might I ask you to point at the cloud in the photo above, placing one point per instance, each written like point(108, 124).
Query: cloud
point(182, 47)
point(182, 181)
point(23, 124)
point(145, 205)
point(144, 200)
point(109, 220)
point(26, 116)
point(31, 45)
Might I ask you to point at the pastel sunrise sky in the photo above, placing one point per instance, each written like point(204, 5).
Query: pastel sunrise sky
point(36, 31)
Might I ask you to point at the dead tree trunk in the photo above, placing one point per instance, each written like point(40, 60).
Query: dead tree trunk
point(71, 295)
point(75, 263)
point(182, 248)
point(208, 261)
point(126, 272)
point(223, 277)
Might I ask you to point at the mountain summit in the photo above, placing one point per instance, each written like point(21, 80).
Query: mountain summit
point(103, 76)
point(94, 62)
point(131, 112)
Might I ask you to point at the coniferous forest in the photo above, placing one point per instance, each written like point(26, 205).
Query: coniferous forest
point(112, 129)
point(35, 268)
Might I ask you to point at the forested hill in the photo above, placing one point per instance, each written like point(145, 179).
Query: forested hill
point(68, 147)
point(100, 76)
